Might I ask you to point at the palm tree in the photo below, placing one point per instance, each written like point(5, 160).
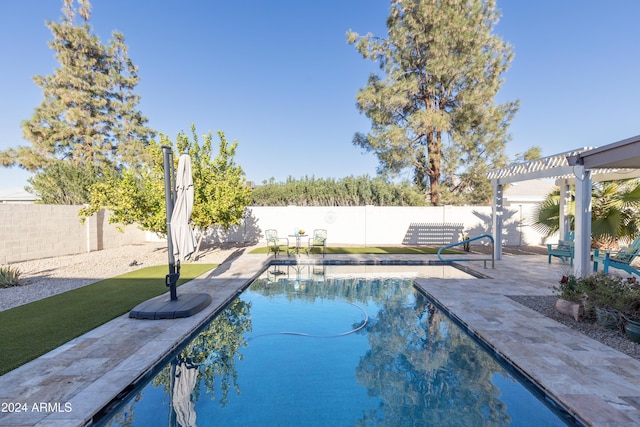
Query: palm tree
point(615, 213)
point(545, 219)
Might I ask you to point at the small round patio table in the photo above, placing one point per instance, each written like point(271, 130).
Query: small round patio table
point(298, 241)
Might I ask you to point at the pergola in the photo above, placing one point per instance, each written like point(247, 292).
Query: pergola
point(619, 160)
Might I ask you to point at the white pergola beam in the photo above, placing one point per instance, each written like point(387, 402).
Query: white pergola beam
point(621, 154)
point(540, 174)
point(620, 160)
point(599, 175)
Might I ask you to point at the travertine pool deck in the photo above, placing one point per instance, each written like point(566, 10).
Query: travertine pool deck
point(70, 385)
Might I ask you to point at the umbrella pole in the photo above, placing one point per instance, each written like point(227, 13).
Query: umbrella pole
point(189, 303)
point(174, 274)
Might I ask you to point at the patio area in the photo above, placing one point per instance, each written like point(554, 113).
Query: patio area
point(598, 384)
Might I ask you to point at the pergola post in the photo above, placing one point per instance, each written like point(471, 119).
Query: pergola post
point(612, 162)
point(582, 239)
point(565, 199)
point(497, 216)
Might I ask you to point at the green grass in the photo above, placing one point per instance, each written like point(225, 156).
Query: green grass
point(372, 250)
point(29, 331)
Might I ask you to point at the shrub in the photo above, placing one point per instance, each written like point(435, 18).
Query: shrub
point(607, 291)
point(570, 289)
point(9, 276)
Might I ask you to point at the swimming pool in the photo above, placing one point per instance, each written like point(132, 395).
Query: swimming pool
point(334, 345)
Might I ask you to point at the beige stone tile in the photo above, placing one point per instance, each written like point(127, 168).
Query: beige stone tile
point(600, 384)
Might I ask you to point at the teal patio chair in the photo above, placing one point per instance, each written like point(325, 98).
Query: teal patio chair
point(276, 244)
point(621, 259)
point(564, 249)
point(318, 240)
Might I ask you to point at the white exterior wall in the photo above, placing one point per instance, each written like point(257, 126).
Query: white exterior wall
point(32, 231)
point(375, 225)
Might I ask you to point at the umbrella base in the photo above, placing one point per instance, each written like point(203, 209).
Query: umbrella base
point(163, 307)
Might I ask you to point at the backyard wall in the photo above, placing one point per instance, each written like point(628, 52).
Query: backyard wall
point(33, 231)
point(375, 225)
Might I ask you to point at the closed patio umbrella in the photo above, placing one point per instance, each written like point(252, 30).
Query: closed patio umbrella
point(184, 242)
point(183, 382)
point(180, 244)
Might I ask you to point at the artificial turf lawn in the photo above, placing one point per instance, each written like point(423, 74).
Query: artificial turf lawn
point(30, 330)
point(335, 250)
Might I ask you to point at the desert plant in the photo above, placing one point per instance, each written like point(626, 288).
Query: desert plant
point(9, 276)
point(606, 291)
point(570, 289)
point(614, 215)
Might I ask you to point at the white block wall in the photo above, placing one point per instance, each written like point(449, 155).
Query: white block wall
point(30, 231)
point(374, 225)
point(33, 231)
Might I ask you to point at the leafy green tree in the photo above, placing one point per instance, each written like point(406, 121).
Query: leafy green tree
point(349, 191)
point(220, 190)
point(76, 178)
point(89, 116)
point(614, 213)
point(469, 187)
point(137, 196)
point(447, 370)
point(434, 106)
point(215, 351)
point(532, 153)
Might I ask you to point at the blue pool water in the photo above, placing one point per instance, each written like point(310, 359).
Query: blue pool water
point(323, 346)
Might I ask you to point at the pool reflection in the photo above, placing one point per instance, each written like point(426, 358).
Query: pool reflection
point(267, 359)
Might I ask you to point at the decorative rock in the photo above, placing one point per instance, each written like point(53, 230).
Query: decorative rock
point(609, 319)
point(569, 308)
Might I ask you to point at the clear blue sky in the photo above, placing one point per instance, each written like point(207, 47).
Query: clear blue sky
point(279, 77)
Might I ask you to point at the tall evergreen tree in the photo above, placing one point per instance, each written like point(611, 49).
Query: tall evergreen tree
point(129, 133)
point(434, 107)
point(88, 117)
point(76, 179)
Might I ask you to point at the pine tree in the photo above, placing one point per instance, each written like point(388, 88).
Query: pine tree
point(129, 133)
point(433, 108)
point(88, 117)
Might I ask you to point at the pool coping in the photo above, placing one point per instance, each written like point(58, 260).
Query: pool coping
point(78, 379)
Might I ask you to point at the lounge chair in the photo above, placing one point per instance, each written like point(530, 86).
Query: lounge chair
point(275, 243)
point(318, 240)
point(621, 259)
point(563, 249)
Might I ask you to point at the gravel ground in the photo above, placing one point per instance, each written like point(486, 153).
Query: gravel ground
point(42, 278)
point(46, 277)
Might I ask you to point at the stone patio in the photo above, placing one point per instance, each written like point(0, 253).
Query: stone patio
point(601, 386)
